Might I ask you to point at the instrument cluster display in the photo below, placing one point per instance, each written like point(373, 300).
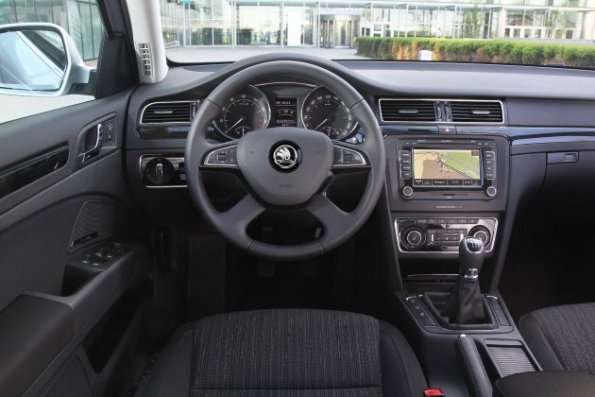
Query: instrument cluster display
point(285, 105)
point(286, 113)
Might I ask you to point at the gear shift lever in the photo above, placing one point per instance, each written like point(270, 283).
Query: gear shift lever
point(465, 304)
point(471, 256)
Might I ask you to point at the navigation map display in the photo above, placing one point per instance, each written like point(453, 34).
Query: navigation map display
point(446, 167)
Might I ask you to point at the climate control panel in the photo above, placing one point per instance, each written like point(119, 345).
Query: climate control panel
point(441, 235)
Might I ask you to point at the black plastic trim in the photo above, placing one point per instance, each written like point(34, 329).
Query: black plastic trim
point(21, 174)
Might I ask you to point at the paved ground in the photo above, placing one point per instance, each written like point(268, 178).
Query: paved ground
point(229, 54)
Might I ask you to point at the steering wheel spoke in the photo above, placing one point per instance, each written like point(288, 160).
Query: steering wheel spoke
point(348, 158)
point(222, 157)
point(333, 218)
point(238, 217)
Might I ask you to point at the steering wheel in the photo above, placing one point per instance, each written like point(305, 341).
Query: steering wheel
point(286, 168)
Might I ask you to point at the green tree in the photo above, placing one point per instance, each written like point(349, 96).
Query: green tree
point(472, 23)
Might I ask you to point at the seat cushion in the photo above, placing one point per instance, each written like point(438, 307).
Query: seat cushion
point(562, 337)
point(289, 352)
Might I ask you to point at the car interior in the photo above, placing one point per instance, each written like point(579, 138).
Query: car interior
point(288, 225)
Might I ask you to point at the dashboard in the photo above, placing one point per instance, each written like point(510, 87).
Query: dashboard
point(457, 136)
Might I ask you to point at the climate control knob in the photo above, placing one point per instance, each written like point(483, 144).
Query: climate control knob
point(481, 233)
point(414, 237)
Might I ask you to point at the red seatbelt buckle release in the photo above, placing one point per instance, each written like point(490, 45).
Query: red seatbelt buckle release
point(434, 392)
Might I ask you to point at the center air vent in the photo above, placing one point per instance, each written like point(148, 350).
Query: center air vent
point(476, 111)
point(171, 112)
point(397, 110)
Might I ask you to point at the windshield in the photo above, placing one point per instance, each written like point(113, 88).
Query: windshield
point(532, 32)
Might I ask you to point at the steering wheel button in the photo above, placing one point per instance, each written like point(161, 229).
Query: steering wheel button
point(226, 156)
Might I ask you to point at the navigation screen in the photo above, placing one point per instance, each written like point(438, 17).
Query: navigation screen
point(446, 167)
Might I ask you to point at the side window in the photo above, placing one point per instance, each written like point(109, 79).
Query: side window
point(49, 51)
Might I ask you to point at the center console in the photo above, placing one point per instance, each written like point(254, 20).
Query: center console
point(448, 200)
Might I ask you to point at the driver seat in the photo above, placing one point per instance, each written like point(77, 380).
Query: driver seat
point(288, 352)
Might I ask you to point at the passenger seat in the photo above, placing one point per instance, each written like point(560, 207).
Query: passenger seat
point(562, 337)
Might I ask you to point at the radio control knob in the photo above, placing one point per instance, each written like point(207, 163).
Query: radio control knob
point(481, 233)
point(407, 191)
point(414, 237)
point(491, 191)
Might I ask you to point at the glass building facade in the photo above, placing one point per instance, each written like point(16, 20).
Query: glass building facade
point(79, 17)
point(338, 23)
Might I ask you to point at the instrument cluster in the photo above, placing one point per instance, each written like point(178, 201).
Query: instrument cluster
point(285, 105)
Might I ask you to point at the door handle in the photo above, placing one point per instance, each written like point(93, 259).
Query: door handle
point(96, 143)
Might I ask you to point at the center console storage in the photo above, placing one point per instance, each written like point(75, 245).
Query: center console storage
point(551, 384)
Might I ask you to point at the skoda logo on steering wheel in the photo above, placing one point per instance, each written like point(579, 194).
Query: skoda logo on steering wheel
point(285, 156)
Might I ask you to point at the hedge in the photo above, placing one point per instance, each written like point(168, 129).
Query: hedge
point(490, 51)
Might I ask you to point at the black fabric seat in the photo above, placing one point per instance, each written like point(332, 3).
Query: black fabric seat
point(289, 352)
point(562, 337)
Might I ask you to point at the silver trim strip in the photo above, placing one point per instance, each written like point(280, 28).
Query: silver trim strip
point(552, 139)
point(142, 113)
point(433, 100)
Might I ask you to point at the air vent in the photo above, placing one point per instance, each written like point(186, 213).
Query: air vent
point(397, 110)
point(476, 111)
point(144, 53)
point(171, 112)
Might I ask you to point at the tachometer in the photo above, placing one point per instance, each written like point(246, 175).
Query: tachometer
point(325, 112)
point(243, 113)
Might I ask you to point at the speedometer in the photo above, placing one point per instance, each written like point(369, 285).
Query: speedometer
point(325, 112)
point(243, 113)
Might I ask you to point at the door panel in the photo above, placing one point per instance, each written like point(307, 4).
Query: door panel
point(22, 139)
point(59, 213)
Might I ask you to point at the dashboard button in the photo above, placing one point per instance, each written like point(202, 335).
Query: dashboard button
point(489, 155)
point(404, 154)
